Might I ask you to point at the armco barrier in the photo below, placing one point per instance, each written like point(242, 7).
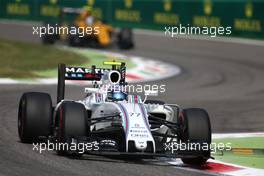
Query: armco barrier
point(246, 17)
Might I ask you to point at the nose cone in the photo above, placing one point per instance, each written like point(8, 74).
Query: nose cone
point(141, 145)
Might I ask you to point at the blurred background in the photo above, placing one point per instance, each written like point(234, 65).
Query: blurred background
point(246, 17)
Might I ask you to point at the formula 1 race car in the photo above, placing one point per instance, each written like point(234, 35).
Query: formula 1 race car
point(115, 121)
point(86, 30)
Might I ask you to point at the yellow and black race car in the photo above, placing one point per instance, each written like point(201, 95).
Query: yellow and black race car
point(86, 30)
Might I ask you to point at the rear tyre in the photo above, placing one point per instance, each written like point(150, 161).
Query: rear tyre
point(49, 37)
point(34, 116)
point(75, 40)
point(125, 39)
point(196, 128)
point(72, 122)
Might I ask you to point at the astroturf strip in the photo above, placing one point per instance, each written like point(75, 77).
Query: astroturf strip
point(247, 151)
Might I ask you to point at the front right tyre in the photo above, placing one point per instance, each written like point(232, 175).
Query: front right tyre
point(196, 129)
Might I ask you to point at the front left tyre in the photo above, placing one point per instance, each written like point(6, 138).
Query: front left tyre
point(34, 116)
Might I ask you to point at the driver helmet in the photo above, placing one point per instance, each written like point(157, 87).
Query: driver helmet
point(116, 93)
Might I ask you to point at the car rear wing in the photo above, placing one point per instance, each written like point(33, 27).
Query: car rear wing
point(86, 74)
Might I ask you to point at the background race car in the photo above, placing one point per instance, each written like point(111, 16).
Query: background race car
point(86, 30)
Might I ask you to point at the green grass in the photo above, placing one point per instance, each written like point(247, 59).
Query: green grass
point(22, 60)
point(255, 160)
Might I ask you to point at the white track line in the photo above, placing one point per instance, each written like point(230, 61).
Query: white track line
point(237, 135)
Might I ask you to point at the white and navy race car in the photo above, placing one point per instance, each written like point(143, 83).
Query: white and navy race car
point(118, 122)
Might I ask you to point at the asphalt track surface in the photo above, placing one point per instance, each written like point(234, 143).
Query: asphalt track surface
point(225, 78)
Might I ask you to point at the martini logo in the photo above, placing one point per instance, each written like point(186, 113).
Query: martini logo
point(85, 70)
point(77, 70)
point(249, 10)
point(82, 70)
point(128, 3)
point(90, 2)
point(167, 5)
point(208, 7)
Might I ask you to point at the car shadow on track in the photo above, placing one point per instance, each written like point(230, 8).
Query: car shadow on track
point(128, 160)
